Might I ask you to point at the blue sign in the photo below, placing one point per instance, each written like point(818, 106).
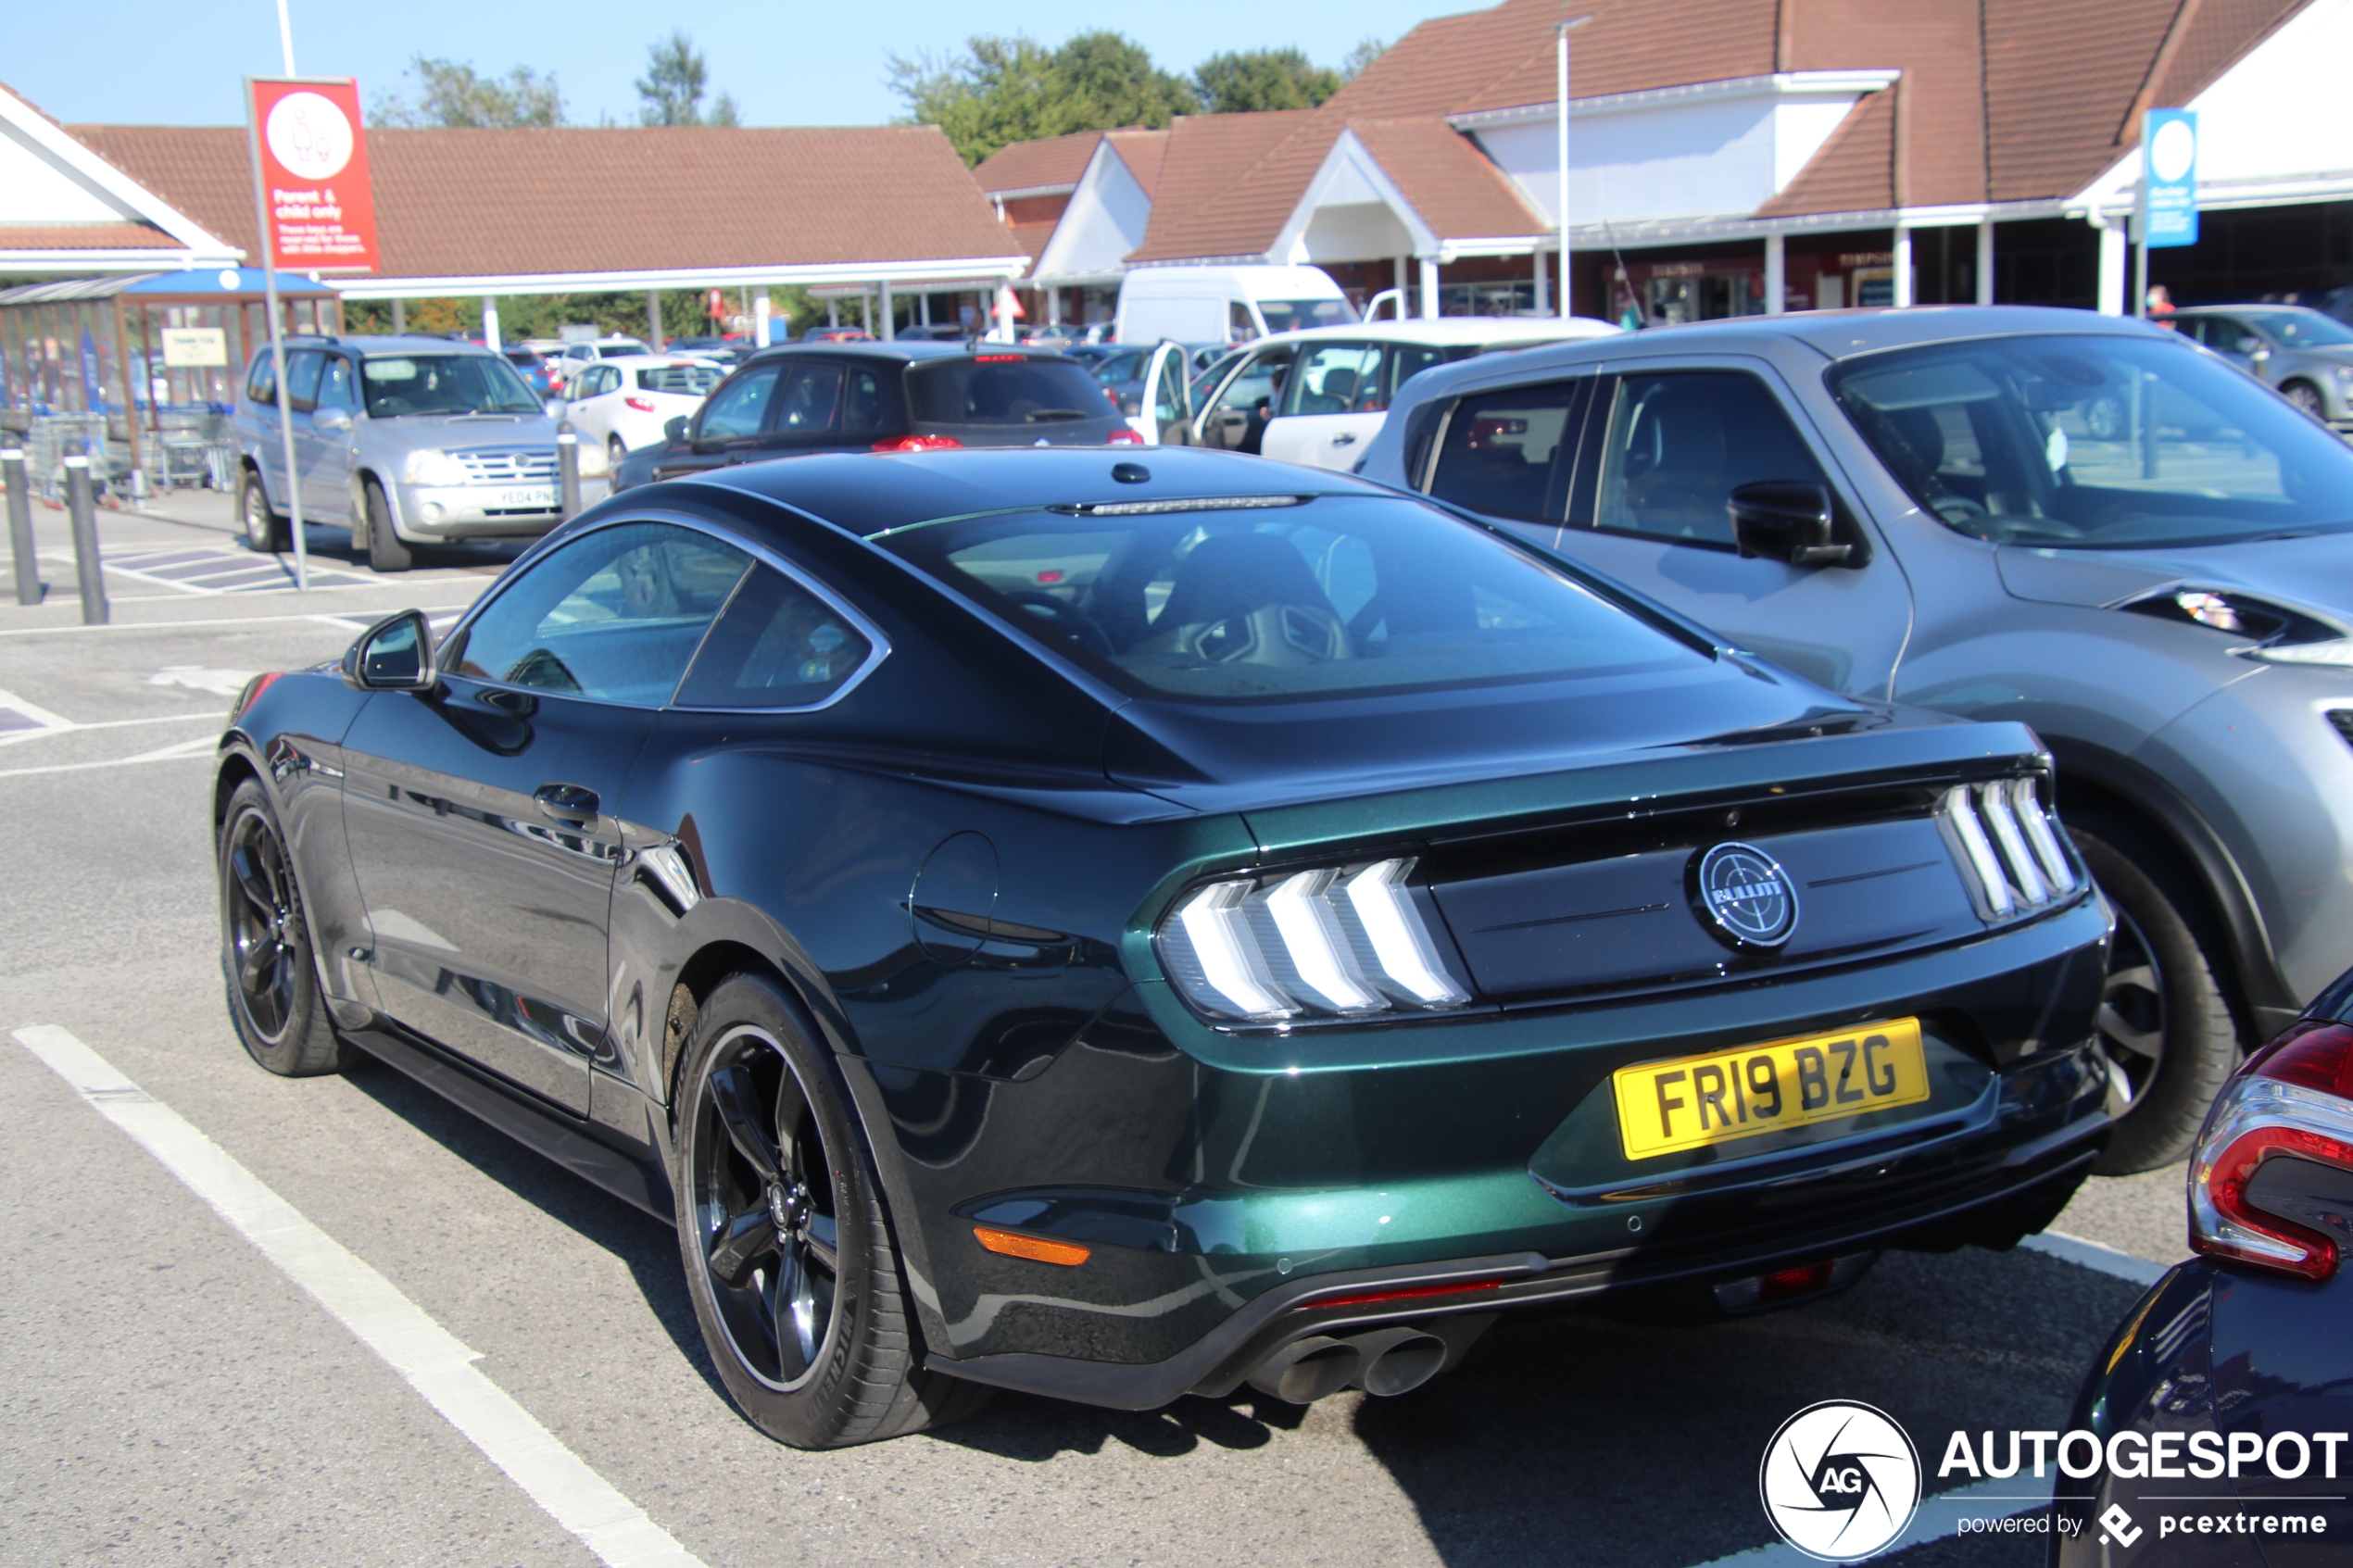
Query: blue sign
point(2169, 172)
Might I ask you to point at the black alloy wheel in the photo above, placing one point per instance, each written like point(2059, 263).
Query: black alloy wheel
point(274, 996)
point(764, 1210)
point(2166, 1028)
point(2305, 395)
point(788, 1253)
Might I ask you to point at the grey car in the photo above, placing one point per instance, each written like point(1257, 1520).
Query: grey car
point(1923, 507)
point(2306, 355)
point(405, 440)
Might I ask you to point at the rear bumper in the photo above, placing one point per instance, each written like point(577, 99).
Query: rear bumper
point(1973, 1185)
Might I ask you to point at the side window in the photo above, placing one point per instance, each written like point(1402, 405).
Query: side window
point(1407, 360)
point(865, 406)
point(778, 646)
point(302, 379)
point(806, 405)
point(1502, 450)
point(1678, 444)
point(337, 387)
point(1239, 328)
point(1335, 378)
point(740, 406)
point(261, 382)
point(616, 614)
point(1170, 398)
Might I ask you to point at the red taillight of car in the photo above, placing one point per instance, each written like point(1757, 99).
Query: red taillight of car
point(1123, 436)
point(642, 404)
point(1111, 395)
point(2293, 1100)
point(919, 443)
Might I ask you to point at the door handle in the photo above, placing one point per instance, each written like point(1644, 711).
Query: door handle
point(1345, 438)
point(576, 804)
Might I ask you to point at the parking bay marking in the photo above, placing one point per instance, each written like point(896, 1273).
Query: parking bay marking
point(433, 1360)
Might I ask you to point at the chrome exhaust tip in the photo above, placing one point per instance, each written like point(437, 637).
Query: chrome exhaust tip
point(1306, 1370)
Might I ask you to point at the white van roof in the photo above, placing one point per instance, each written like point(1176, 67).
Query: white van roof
point(1256, 281)
point(1448, 331)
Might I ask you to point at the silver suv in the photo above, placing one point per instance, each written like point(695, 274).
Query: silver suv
point(2092, 525)
point(407, 440)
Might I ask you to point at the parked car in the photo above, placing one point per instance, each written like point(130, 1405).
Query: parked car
point(577, 354)
point(1226, 304)
point(533, 367)
point(837, 335)
point(617, 404)
point(2239, 1359)
point(881, 396)
point(943, 881)
point(937, 331)
point(1319, 397)
point(1930, 507)
point(2304, 354)
point(1124, 370)
point(408, 441)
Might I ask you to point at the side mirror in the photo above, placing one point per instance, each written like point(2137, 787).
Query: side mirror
point(674, 428)
point(2250, 344)
point(1788, 520)
point(395, 654)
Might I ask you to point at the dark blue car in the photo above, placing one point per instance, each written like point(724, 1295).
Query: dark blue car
point(2224, 1409)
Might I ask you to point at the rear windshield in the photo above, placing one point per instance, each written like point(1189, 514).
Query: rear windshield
point(1003, 389)
point(1290, 315)
point(2099, 442)
point(690, 380)
point(1283, 598)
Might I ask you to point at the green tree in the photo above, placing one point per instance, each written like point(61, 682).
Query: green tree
point(451, 94)
point(1364, 53)
point(1262, 78)
point(997, 91)
point(673, 87)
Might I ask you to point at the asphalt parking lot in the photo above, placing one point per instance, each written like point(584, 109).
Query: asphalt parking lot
point(169, 1395)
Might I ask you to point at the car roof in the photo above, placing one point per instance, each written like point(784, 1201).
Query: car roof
point(649, 361)
point(1449, 330)
point(392, 343)
point(917, 348)
point(869, 493)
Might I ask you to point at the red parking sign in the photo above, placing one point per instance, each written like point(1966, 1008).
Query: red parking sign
point(311, 154)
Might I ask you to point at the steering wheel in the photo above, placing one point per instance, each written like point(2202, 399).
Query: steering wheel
point(1066, 617)
point(1959, 508)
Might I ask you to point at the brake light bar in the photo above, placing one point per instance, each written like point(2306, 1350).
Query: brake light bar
point(919, 443)
point(2009, 849)
point(1405, 1292)
point(1124, 435)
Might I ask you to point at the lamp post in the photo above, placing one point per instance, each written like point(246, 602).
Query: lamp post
point(1561, 67)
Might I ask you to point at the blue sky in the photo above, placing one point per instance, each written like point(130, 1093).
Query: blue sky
point(181, 64)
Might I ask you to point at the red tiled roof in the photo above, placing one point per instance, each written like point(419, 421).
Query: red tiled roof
point(500, 202)
point(85, 236)
point(1207, 155)
point(1853, 171)
point(1459, 192)
point(1022, 166)
point(1142, 152)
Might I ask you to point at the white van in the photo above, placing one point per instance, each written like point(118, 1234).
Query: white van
point(1226, 304)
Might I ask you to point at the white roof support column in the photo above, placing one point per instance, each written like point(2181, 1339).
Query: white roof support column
point(1903, 266)
point(1985, 261)
point(1430, 288)
point(1543, 300)
point(889, 304)
point(2112, 260)
point(1776, 274)
point(490, 322)
point(761, 318)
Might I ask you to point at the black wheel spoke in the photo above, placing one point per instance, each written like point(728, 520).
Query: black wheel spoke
point(791, 1105)
point(821, 1240)
point(243, 864)
point(257, 961)
point(732, 1096)
point(740, 1244)
point(787, 1313)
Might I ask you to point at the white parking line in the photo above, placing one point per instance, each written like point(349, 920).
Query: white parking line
point(191, 751)
point(2093, 1255)
point(176, 625)
point(1939, 1519)
point(40, 716)
point(378, 1315)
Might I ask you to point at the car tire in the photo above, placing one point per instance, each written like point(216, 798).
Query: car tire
point(2165, 990)
point(2307, 396)
point(770, 1175)
point(266, 531)
point(386, 551)
point(275, 1000)
point(614, 453)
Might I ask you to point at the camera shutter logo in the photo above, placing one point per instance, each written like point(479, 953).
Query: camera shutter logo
point(1746, 896)
point(1840, 1480)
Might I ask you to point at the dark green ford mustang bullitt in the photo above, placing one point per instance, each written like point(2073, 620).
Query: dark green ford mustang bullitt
point(1117, 928)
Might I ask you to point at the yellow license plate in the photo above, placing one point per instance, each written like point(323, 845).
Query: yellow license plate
point(1667, 1106)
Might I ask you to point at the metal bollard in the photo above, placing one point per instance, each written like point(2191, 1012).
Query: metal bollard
point(81, 505)
point(568, 467)
point(21, 544)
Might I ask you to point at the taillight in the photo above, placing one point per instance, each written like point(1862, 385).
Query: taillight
point(1111, 395)
point(2273, 1171)
point(1123, 436)
point(639, 404)
point(1338, 941)
point(2002, 836)
point(919, 443)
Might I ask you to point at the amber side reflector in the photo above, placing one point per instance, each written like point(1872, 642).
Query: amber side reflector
point(1412, 1293)
point(1069, 1254)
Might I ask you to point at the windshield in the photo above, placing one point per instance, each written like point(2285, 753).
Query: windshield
point(688, 381)
point(1280, 597)
point(1004, 389)
point(444, 384)
point(2096, 442)
point(1290, 315)
point(2302, 329)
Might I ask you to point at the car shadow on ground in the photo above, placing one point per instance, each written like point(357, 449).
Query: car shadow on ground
point(648, 1247)
point(1636, 1444)
point(333, 544)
